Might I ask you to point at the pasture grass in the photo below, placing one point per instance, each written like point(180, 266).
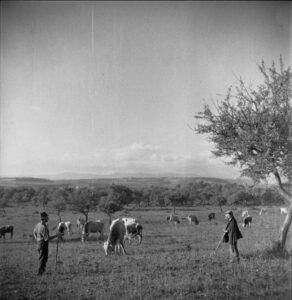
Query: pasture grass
point(173, 262)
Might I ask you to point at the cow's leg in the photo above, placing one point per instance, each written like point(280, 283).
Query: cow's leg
point(116, 249)
point(82, 237)
point(123, 247)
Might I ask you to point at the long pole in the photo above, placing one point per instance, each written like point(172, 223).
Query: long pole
point(57, 248)
point(221, 240)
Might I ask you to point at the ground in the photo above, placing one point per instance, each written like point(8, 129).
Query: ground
point(173, 261)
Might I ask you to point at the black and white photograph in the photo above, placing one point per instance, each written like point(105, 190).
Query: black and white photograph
point(145, 150)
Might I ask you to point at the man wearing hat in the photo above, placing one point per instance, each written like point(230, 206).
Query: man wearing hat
point(232, 235)
point(42, 236)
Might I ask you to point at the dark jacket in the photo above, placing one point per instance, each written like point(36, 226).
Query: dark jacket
point(233, 232)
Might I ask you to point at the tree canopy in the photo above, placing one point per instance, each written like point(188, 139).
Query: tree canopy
point(252, 127)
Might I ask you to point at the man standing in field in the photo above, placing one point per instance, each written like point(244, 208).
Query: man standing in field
point(42, 236)
point(232, 234)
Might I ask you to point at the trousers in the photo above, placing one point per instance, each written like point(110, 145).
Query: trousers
point(234, 254)
point(43, 249)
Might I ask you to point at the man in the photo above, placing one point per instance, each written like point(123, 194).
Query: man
point(232, 235)
point(42, 236)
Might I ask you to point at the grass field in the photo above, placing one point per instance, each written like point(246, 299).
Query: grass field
point(173, 262)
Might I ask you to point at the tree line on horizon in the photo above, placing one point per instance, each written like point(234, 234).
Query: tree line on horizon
point(115, 197)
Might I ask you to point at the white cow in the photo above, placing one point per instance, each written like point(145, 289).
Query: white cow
point(244, 213)
point(284, 210)
point(115, 241)
point(133, 229)
point(65, 226)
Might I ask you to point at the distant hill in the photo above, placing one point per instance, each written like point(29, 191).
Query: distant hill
point(23, 181)
point(132, 182)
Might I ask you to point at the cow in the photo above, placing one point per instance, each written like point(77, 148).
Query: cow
point(244, 213)
point(247, 221)
point(92, 227)
point(115, 241)
point(6, 229)
point(134, 230)
point(263, 210)
point(192, 219)
point(211, 216)
point(80, 223)
point(284, 210)
point(173, 218)
point(65, 226)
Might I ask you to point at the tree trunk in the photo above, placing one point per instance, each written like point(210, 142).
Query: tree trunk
point(285, 228)
point(86, 217)
point(110, 219)
point(286, 225)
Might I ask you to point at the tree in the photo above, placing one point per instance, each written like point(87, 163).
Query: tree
point(58, 202)
point(4, 199)
point(42, 197)
point(252, 128)
point(117, 197)
point(84, 200)
point(219, 200)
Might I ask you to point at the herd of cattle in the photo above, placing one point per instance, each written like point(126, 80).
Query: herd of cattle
point(120, 230)
point(123, 229)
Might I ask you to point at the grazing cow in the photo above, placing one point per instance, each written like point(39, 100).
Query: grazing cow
point(65, 226)
point(247, 221)
point(134, 230)
point(192, 219)
point(263, 210)
point(92, 227)
point(115, 241)
point(173, 218)
point(284, 210)
point(211, 216)
point(6, 229)
point(80, 223)
point(244, 213)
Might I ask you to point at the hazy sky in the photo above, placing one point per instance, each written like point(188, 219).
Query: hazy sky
point(103, 87)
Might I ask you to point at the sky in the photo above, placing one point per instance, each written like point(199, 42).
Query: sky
point(112, 87)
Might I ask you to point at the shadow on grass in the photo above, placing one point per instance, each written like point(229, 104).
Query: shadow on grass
point(273, 251)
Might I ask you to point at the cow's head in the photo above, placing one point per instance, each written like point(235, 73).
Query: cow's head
point(108, 248)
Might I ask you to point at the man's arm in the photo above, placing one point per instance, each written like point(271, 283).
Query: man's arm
point(34, 234)
point(59, 234)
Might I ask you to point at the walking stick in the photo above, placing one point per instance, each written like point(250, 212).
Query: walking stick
point(57, 254)
point(221, 240)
